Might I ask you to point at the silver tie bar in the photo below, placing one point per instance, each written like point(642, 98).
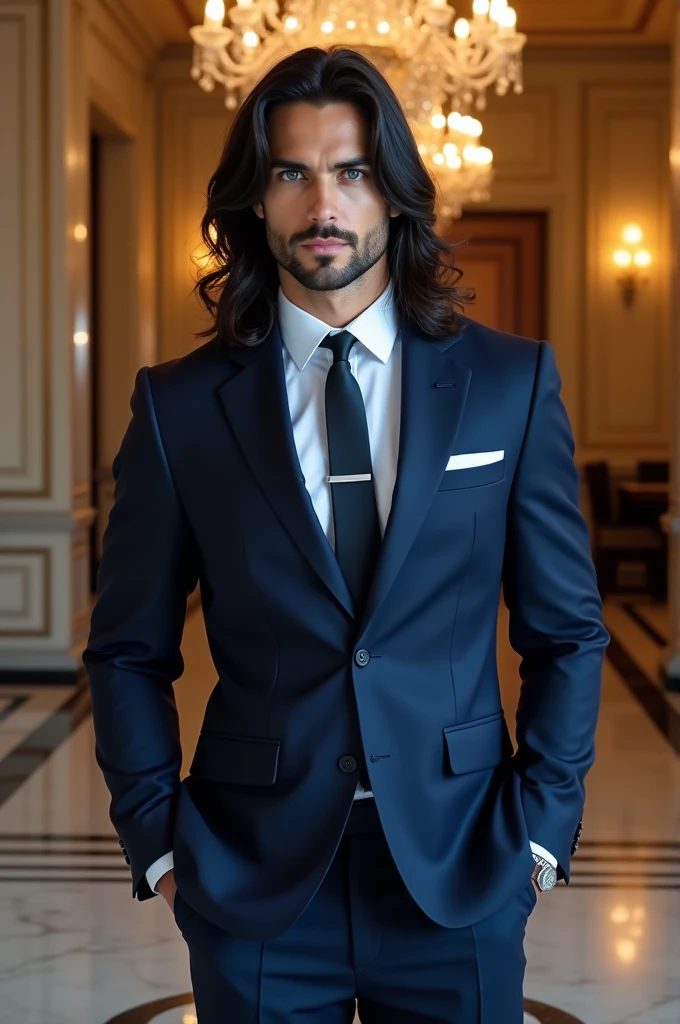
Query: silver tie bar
point(348, 479)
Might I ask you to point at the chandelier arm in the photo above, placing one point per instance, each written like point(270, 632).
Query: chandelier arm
point(241, 73)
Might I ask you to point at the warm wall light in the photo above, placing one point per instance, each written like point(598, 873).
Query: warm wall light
point(631, 258)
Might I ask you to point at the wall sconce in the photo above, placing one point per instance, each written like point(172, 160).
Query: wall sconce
point(631, 259)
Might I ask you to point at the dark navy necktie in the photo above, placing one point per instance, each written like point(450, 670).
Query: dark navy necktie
point(355, 512)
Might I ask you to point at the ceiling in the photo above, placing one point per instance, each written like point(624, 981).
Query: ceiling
point(547, 22)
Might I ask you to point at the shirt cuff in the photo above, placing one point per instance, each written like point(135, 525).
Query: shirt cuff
point(540, 851)
point(158, 869)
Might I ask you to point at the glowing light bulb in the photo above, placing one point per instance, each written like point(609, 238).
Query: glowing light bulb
point(622, 258)
point(80, 232)
point(327, 27)
point(480, 7)
point(632, 234)
point(507, 18)
point(484, 155)
point(213, 16)
point(250, 39)
point(81, 338)
point(383, 28)
point(438, 158)
point(642, 258)
point(497, 6)
point(454, 120)
point(291, 23)
point(461, 28)
point(437, 121)
point(351, 25)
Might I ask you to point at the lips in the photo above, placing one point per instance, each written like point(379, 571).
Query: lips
point(324, 247)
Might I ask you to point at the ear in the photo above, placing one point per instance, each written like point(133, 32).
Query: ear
point(395, 212)
point(259, 210)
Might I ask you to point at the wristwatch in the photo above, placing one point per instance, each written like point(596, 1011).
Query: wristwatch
point(544, 874)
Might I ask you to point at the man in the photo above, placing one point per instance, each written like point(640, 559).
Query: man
point(350, 469)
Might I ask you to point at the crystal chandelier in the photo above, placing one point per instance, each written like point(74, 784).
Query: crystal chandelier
point(451, 152)
point(429, 59)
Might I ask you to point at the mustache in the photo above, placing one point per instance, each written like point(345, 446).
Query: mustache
point(323, 234)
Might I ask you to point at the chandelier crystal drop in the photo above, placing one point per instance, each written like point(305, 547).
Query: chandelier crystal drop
point(450, 149)
point(430, 58)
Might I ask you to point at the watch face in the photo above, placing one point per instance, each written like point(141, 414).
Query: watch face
point(547, 878)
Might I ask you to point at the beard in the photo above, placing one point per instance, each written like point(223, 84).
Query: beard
point(325, 277)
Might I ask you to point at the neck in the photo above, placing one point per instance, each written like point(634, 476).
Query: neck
point(339, 307)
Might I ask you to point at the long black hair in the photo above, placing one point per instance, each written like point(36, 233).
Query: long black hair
point(239, 290)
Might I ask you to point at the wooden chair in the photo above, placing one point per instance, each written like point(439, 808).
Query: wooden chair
point(614, 542)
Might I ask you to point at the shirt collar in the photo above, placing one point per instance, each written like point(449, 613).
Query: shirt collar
point(376, 328)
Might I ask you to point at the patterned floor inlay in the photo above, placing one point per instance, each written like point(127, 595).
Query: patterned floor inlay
point(181, 1010)
point(37, 747)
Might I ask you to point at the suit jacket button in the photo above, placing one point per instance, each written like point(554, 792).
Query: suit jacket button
point(347, 763)
point(362, 658)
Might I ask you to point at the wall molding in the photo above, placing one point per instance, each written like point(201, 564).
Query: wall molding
point(36, 575)
point(621, 183)
point(25, 463)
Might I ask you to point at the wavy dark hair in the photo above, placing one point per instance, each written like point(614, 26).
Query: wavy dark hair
point(240, 288)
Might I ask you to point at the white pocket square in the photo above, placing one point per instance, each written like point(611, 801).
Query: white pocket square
point(474, 459)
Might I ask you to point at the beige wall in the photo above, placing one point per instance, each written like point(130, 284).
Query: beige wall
point(64, 64)
point(587, 142)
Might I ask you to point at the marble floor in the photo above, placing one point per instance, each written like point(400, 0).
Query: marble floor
point(76, 949)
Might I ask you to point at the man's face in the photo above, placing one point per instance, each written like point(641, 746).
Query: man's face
point(326, 222)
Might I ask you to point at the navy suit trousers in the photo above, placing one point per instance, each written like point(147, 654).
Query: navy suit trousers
point(362, 937)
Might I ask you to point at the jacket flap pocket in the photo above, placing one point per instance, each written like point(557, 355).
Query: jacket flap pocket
point(480, 744)
point(473, 476)
point(245, 760)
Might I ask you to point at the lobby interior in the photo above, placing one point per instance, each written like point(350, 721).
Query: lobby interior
point(108, 148)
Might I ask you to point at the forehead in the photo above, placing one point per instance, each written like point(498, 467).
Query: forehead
point(302, 128)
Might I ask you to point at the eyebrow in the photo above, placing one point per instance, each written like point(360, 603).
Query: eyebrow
point(341, 165)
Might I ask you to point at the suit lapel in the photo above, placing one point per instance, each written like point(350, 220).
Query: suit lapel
point(255, 402)
point(430, 418)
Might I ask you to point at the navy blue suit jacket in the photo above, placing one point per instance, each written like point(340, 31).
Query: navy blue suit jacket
point(209, 490)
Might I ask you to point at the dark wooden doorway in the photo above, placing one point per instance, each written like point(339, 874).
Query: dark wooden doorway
point(505, 261)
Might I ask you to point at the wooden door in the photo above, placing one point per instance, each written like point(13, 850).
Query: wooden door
point(504, 260)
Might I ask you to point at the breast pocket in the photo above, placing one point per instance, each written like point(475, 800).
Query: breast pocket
point(474, 476)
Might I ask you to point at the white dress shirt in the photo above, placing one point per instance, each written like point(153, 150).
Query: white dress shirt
point(375, 361)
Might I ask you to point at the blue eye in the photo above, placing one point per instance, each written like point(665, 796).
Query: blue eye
point(290, 172)
point(354, 170)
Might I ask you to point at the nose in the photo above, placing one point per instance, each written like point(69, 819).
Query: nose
point(322, 207)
